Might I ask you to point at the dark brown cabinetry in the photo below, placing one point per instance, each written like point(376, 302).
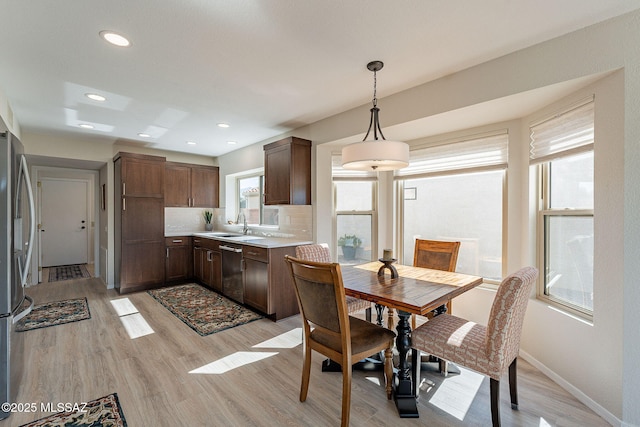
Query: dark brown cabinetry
point(188, 185)
point(178, 259)
point(287, 172)
point(267, 284)
point(139, 221)
point(207, 263)
point(256, 277)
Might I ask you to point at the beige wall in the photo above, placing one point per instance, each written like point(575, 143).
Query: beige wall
point(595, 362)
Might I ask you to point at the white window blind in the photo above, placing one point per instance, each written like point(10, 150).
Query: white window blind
point(486, 152)
point(566, 133)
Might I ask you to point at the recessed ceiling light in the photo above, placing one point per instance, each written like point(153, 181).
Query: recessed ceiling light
point(95, 97)
point(115, 38)
point(231, 142)
point(191, 143)
point(144, 135)
point(223, 125)
point(85, 126)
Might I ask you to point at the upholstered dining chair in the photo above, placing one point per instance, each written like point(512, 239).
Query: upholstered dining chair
point(342, 338)
point(490, 350)
point(320, 253)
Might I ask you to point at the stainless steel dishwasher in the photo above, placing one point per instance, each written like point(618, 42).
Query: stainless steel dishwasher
point(232, 272)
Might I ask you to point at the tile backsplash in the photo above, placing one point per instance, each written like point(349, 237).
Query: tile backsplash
point(296, 221)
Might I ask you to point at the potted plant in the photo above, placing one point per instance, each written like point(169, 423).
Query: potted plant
point(208, 215)
point(349, 243)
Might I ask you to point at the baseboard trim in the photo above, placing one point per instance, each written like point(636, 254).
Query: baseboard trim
point(574, 391)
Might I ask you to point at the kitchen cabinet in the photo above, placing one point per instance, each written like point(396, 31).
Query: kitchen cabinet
point(256, 277)
point(139, 221)
point(178, 262)
point(188, 185)
point(287, 172)
point(207, 263)
point(267, 282)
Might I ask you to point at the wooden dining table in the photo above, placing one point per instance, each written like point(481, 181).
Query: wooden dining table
point(415, 290)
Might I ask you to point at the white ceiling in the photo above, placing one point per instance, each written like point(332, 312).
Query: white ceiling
point(264, 67)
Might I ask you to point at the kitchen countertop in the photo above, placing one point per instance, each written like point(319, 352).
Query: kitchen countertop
point(249, 239)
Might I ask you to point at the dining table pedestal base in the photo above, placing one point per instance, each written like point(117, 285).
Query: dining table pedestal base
point(403, 392)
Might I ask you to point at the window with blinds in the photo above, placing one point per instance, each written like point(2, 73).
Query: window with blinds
point(562, 153)
point(454, 191)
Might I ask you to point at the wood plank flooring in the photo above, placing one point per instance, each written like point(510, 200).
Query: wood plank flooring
point(174, 377)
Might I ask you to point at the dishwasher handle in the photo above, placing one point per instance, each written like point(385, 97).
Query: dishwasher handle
point(231, 249)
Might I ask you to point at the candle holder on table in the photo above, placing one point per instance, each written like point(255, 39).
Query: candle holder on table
point(388, 264)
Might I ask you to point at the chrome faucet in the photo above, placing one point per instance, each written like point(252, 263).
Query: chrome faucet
point(245, 228)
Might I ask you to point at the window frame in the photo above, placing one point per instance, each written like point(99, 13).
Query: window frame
point(470, 143)
point(372, 213)
point(542, 233)
point(238, 196)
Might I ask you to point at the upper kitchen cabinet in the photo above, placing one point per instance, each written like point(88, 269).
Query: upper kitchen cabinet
point(139, 221)
point(287, 172)
point(189, 185)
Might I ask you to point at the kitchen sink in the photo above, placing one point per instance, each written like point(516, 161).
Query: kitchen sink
point(243, 237)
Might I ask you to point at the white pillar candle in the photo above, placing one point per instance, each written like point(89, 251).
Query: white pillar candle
point(387, 255)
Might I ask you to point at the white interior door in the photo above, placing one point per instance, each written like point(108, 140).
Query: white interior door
point(64, 218)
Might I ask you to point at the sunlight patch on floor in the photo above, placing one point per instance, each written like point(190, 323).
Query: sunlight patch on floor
point(233, 361)
point(375, 380)
point(135, 325)
point(456, 393)
point(544, 423)
point(290, 339)
point(133, 322)
point(123, 306)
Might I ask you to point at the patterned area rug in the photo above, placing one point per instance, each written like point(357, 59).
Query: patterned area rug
point(55, 313)
point(102, 412)
point(68, 272)
point(204, 311)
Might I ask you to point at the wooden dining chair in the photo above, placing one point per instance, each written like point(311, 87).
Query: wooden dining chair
point(437, 255)
point(342, 338)
point(490, 350)
point(320, 253)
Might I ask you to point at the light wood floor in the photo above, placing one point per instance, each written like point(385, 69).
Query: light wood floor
point(85, 360)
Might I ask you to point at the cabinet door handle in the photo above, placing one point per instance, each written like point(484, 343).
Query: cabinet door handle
point(124, 189)
point(124, 204)
point(167, 252)
point(209, 256)
point(177, 240)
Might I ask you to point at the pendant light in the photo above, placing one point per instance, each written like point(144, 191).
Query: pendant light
point(377, 154)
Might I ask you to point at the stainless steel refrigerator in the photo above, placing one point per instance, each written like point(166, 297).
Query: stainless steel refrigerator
point(17, 231)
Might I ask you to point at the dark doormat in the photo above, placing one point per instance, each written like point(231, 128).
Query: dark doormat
point(68, 272)
point(204, 311)
point(102, 412)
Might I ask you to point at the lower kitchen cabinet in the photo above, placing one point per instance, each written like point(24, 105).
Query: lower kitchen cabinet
point(207, 263)
point(256, 278)
point(178, 262)
point(267, 282)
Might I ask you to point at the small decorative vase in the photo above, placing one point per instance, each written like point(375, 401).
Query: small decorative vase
point(208, 226)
